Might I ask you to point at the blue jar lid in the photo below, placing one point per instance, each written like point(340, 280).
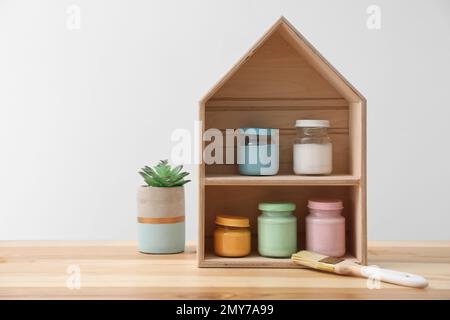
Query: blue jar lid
point(258, 131)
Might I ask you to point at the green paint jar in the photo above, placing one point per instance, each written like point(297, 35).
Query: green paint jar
point(277, 229)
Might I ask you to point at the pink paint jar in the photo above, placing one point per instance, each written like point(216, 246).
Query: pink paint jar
point(325, 227)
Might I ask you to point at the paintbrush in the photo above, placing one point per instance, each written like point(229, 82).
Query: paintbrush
point(351, 268)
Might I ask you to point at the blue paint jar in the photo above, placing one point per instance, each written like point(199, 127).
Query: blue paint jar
point(258, 151)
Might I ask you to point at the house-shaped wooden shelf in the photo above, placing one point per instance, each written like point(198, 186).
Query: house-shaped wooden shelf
point(281, 79)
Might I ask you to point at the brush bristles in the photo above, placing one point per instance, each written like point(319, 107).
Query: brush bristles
point(312, 260)
point(308, 255)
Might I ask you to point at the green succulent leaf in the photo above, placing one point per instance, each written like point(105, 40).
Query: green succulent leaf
point(163, 175)
point(176, 170)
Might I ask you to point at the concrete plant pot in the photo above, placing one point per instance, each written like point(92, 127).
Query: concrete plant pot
point(161, 226)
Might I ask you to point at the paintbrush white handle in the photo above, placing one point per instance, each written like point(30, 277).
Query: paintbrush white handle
point(395, 277)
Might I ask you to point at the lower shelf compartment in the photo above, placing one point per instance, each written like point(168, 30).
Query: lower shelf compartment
point(243, 200)
point(254, 260)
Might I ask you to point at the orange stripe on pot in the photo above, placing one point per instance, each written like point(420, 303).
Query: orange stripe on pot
point(160, 220)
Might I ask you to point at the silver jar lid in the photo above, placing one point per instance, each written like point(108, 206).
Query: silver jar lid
point(312, 123)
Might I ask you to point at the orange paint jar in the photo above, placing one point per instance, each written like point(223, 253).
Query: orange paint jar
point(232, 237)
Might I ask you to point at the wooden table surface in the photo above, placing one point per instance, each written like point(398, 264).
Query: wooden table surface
point(115, 270)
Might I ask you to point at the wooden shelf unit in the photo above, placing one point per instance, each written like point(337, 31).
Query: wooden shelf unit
point(281, 79)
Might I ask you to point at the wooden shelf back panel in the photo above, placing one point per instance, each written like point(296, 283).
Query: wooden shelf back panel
point(273, 117)
point(243, 200)
point(341, 155)
point(297, 103)
point(232, 114)
point(276, 70)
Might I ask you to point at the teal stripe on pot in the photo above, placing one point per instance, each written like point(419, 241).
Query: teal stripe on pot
point(160, 238)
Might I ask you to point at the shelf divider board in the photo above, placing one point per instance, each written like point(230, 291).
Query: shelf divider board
point(283, 180)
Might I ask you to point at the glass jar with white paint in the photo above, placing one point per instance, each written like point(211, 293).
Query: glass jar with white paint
point(313, 150)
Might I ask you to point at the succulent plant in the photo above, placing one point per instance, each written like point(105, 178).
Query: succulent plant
point(163, 175)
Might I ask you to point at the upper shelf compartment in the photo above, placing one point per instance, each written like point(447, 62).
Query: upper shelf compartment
point(236, 113)
point(275, 86)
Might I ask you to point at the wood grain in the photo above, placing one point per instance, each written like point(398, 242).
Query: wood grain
point(254, 260)
point(341, 154)
point(115, 270)
point(284, 180)
point(243, 201)
point(276, 70)
point(283, 78)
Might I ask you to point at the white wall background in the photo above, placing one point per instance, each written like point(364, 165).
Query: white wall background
point(82, 110)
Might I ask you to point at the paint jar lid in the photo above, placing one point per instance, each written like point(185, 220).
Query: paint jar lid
point(258, 131)
point(312, 123)
point(325, 204)
point(276, 206)
point(232, 221)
